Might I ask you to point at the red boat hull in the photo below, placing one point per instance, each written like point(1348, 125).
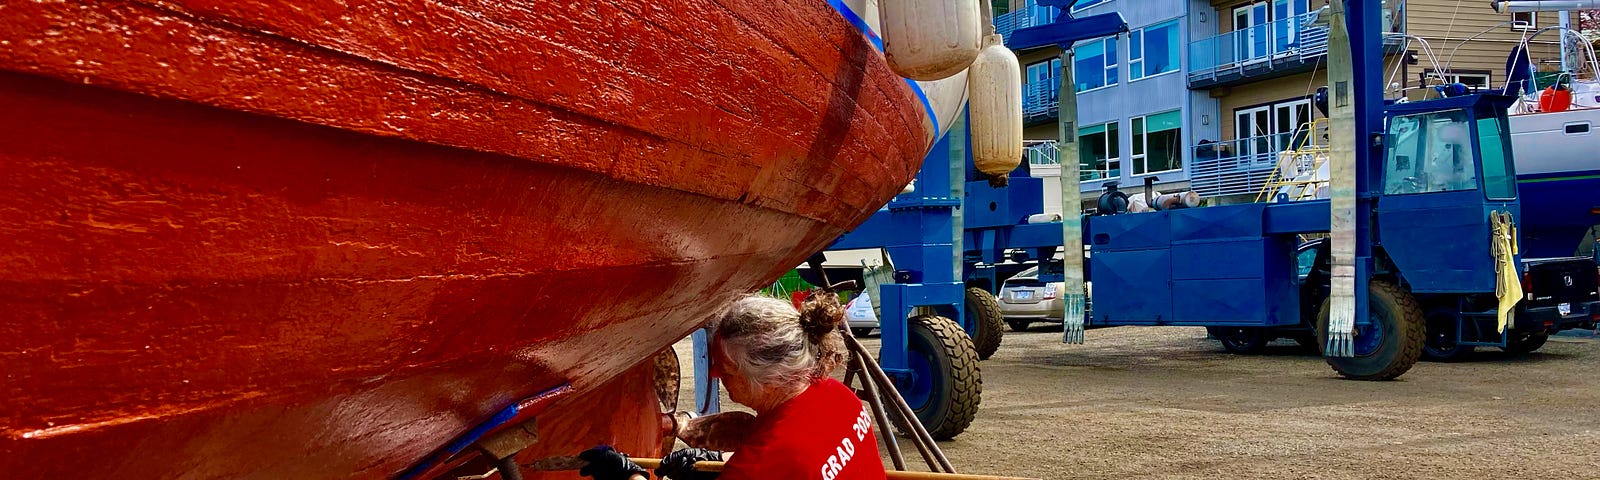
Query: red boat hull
point(253, 239)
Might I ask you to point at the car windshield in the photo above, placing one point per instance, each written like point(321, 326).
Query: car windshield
point(1031, 273)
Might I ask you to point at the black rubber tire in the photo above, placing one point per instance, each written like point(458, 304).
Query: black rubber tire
point(860, 331)
point(954, 401)
point(989, 321)
point(1241, 340)
point(1401, 318)
point(1019, 325)
point(1440, 342)
point(1527, 343)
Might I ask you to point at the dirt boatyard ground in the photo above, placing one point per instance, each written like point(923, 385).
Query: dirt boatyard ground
point(1164, 402)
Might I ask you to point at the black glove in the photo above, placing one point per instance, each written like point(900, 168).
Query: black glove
point(679, 465)
point(606, 463)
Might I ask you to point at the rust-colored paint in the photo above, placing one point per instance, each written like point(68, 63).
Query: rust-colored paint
point(274, 239)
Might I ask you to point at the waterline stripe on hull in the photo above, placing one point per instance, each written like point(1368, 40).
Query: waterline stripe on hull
point(861, 24)
point(1559, 179)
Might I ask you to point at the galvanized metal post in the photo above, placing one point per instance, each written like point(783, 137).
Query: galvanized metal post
point(1071, 203)
point(1355, 110)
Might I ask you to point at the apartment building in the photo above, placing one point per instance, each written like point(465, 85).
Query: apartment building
point(1262, 60)
point(1133, 97)
point(1203, 94)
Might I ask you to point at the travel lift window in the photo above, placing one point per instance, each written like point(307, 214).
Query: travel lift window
point(1430, 152)
point(1098, 155)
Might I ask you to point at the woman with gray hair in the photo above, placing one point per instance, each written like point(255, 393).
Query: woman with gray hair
point(777, 360)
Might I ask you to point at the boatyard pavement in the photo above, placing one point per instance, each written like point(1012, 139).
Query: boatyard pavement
point(1165, 402)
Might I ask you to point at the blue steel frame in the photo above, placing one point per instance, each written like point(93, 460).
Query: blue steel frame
point(918, 229)
point(1363, 22)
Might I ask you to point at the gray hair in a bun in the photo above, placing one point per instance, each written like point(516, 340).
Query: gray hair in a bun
point(776, 345)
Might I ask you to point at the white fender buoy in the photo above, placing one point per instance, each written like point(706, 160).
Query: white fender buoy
point(930, 40)
point(994, 102)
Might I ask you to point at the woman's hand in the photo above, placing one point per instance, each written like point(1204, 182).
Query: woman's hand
point(605, 463)
point(679, 465)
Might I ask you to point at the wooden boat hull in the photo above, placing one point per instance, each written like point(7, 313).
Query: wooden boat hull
point(283, 240)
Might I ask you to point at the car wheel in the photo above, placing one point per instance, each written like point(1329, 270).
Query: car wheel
point(1018, 325)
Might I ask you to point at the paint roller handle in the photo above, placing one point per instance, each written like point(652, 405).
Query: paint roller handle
point(570, 463)
point(709, 466)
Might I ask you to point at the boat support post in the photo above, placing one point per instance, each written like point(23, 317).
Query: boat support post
point(706, 400)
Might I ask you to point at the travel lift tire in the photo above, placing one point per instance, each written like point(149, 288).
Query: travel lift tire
point(989, 321)
point(1526, 343)
point(1441, 345)
point(945, 385)
point(1388, 351)
point(1241, 340)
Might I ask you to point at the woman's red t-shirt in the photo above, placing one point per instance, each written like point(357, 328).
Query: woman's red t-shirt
point(825, 433)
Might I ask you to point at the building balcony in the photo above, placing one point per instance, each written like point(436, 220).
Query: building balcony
point(1039, 100)
point(1042, 153)
point(1020, 19)
point(1282, 47)
point(1278, 48)
point(1237, 167)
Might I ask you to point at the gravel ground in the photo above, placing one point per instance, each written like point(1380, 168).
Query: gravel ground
point(1165, 402)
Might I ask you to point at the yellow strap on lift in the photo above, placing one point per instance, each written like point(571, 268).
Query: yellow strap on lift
point(1503, 247)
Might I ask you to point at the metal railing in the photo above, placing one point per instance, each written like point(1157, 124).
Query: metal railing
point(1011, 22)
point(1041, 152)
point(1265, 46)
point(1237, 167)
point(1039, 98)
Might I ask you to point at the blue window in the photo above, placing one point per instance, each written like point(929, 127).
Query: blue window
point(1095, 64)
point(1098, 156)
point(1039, 14)
point(1082, 4)
point(1153, 50)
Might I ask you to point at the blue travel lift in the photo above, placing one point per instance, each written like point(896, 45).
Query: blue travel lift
point(1444, 248)
point(943, 258)
point(944, 239)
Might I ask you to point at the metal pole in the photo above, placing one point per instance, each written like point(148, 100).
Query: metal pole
point(858, 364)
point(1543, 5)
point(1566, 43)
point(921, 433)
point(1071, 204)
